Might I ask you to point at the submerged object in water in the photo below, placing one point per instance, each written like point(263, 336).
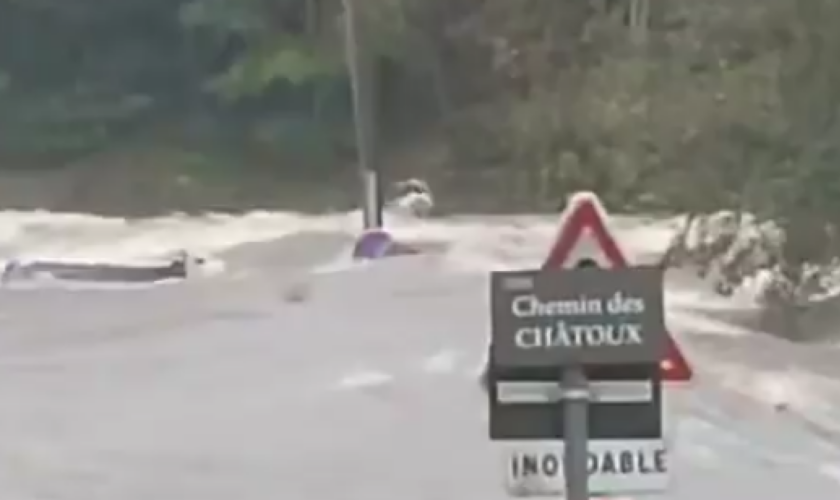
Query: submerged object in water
point(177, 268)
point(378, 244)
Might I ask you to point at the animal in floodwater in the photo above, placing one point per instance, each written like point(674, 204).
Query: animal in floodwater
point(413, 197)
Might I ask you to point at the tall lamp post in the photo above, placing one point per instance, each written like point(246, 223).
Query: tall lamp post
point(359, 66)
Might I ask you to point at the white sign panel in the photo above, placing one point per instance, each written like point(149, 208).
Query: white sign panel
point(615, 467)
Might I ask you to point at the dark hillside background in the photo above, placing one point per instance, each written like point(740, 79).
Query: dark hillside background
point(141, 106)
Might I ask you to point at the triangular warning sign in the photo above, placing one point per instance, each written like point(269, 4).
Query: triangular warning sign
point(584, 235)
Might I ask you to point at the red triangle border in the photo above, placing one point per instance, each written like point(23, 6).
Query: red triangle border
point(585, 214)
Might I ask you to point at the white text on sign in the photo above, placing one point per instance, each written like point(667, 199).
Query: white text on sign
point(529, 306)
point(563, 335)
point(570, 336)
point(615, 466)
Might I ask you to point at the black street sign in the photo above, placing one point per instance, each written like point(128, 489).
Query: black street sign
point(609, 322)
point(554, 318)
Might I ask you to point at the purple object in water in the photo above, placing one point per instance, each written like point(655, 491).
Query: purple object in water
point(373, 244)
point(378, 244)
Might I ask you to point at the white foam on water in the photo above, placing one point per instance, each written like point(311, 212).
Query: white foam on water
point(72, 236)
point(364, 379)
point(443, 361)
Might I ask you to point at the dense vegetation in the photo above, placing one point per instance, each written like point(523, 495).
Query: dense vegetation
point(657, 105)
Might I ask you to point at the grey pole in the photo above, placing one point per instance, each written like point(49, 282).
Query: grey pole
point(576, 432)
point(639, 20)
point(359, 65)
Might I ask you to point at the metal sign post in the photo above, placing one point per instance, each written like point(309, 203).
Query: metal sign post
point(360, 67)
point(576, 413)
point(576, 422)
